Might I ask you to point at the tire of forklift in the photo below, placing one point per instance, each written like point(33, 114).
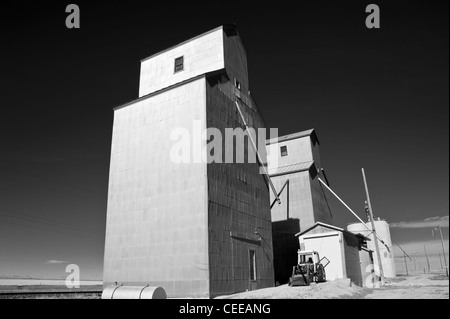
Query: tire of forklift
point(321, 275)
point(309, 277)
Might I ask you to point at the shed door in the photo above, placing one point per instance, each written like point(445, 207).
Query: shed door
point(329, 247)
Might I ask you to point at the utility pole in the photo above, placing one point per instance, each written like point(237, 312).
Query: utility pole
point(377, 248)
point(415, 261)
point(428, 260)
point(418, 259)
point(443, 250)
point(406, 264)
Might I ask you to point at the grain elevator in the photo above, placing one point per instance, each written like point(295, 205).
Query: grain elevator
point(195, 229)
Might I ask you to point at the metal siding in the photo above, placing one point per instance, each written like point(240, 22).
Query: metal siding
point(300, 200)
point(238, 195)
point(236, 204)
point(322, 211)
point(153, 237)
point(352, 264)
point(201, 55)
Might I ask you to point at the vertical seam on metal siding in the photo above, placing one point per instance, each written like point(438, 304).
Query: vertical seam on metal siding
point(205, 101)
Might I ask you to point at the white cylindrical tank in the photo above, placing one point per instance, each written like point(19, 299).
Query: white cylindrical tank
point(366, 260)
point(387, 255)
point(130, 292)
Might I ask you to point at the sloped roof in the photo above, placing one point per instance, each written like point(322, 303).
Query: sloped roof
point(332, 227)
point(288, 169)
point(293, 137)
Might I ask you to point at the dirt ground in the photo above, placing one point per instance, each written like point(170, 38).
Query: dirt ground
point(419, 286)
point(425, 286)
point(49, 292)
point(414, 287)
point(55, 296)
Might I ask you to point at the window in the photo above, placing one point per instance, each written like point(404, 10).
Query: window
point(252, 256)
point(284, 151)
point(179, 64)
point(237, 84)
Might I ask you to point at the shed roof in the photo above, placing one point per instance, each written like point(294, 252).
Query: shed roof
point(332, 227)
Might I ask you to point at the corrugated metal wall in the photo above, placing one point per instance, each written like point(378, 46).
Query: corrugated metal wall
point(156, 230)
point(238, 194)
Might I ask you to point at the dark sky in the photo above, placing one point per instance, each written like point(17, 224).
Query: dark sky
point(377, 98)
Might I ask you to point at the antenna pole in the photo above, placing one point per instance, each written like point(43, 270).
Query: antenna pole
point(377, 248)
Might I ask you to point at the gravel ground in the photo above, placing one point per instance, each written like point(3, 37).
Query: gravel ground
point(426, 286)
point(340, 289)
point(414, 287)
point(422, 286)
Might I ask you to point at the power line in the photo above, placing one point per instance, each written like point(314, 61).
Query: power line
point(47, 188)
point(36, 220)
point(28, 175)
point(47, 185)
point(45, 219)
point(45, 229)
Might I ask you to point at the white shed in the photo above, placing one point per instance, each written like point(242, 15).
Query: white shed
point(339, 246)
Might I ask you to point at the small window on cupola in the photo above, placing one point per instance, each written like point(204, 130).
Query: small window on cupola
point(179, 64)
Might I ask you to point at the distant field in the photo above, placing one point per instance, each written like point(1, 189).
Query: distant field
point(44, 282)
point(83, 295)
point(17, 290)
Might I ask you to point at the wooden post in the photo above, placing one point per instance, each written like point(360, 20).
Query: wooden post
point(418, 260)
point(415, 261)
point(377, 248)
point(406, 264)
point(428, 260)
point(443, 251)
